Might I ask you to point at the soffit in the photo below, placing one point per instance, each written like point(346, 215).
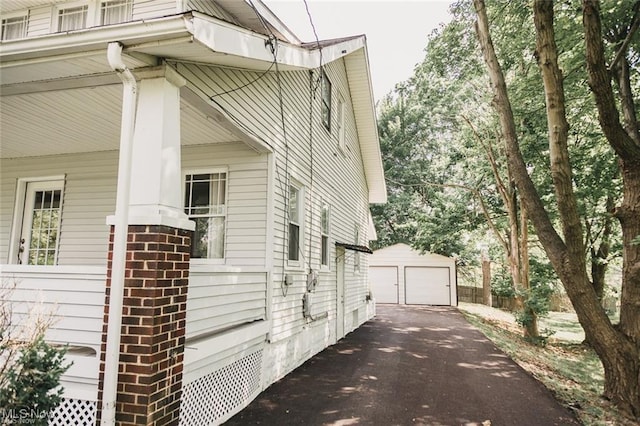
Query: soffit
point(47, 120)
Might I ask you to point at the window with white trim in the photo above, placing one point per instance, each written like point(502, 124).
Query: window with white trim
point(72, 17)
point(324, 235)
point(41, 219)
point(205, 203)
point(115, 11)
point(295, 221)
point(340, 122)
point(326, 100)
point(14, 27)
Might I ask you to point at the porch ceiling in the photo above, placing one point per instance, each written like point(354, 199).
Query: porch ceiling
point(84, 120)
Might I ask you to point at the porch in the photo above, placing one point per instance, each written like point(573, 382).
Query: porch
point(226, 331)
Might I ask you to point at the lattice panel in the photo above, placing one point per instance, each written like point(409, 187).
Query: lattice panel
point(209, 398)
point(74, 412)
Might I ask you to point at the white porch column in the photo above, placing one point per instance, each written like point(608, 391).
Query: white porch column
point(156, 177)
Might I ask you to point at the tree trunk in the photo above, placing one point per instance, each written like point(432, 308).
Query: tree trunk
point(531, 329)
point(486, 280)
point(623, 389)
point(619, 355)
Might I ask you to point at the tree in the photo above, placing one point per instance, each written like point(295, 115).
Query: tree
point(617, 347)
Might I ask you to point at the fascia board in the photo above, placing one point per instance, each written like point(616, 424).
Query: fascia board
point(93, 39)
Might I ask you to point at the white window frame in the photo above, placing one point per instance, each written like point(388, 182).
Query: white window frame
point(128, 4)
point(55, 19)
point(325, 104)
point(205, 171)
point(94, 13)
point(13, 16)
point(340, 110)
point(325, 249)
point(19, 222)
point(299, 221)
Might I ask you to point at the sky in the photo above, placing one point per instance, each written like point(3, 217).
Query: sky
point(396, 30)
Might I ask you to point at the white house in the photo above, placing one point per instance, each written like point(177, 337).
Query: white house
point(400, 274)
point(209, 171)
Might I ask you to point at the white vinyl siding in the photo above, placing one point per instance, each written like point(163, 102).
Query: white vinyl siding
point(153, 9)
point(39, 21)
point(89, 196)
point(338, 179)
point(220, 300)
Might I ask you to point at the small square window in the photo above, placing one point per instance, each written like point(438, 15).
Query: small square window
point(14, 28)
point(72, 18)
point(115, 12)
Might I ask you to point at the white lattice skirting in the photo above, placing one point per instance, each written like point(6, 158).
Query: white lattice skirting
point(209, 399)
point(74, 412)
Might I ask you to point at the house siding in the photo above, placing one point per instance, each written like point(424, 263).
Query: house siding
point(251, 98)
point(144, 9)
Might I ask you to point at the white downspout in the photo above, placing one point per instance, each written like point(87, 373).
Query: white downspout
point(114, 324)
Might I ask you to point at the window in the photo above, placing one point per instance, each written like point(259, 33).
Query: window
point(295, 220)
point(72, 18)
point(340, 122)
point(14, 27)
point(205, 204)
point(115, 11)
point(324, 235)
point(38, 242)
point(326, 101)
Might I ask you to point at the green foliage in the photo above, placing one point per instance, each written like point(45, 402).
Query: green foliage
point(30, 389)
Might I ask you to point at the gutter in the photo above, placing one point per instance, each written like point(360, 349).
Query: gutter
point(116, 294)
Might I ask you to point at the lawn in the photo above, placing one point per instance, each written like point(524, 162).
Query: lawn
point(569, 369)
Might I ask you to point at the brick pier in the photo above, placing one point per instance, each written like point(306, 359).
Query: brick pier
point(153, 325)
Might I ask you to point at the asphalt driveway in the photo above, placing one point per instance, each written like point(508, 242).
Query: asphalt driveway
point(410, 365)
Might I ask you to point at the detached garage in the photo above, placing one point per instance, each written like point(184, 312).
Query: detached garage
point(400, 274)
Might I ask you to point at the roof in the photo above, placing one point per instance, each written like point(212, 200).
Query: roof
point(406, 254)
point(199, 38)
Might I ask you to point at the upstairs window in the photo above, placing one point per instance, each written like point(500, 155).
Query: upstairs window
point(295, 220)
point(205, 204)
point(115, 12)
point(326, 101)
point(340, 122)
point(14, 27)
point(72, 18)
point(324, 235)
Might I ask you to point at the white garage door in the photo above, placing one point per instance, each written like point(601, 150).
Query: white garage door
point(384, 283)
point(427, 285)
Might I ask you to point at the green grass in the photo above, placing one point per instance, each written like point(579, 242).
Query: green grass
point(570, 370)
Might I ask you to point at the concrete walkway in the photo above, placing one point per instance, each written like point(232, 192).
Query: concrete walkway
point(408, 366)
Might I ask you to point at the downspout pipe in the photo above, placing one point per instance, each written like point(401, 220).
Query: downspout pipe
point(118, 261)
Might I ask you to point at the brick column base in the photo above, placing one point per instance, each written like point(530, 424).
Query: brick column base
point(153, 325)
